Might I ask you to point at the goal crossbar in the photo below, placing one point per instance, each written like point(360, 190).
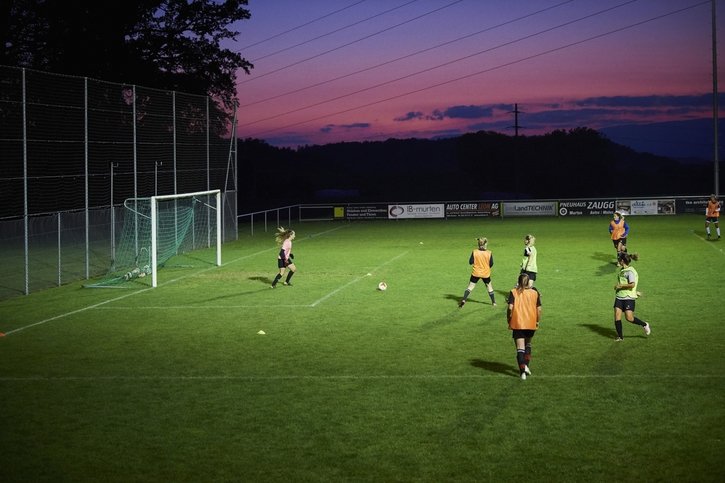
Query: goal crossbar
point(154, 216)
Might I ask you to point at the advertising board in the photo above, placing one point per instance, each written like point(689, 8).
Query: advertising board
point(647, 207)
point(364, 212)
point(473, 209)
point(529, 208)
point(696, 205)
point(586, 207)
point(416, 211)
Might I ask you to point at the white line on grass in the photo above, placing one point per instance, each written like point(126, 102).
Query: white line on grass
point(205, 307)
point(316, 302)
point(356, 377)
point(708, 243)
point(19, 329)
point(100, 304)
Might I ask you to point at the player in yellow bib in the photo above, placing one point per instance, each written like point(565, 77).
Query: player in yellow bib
point(529, 265)
point(626, 294)
point(481, 260)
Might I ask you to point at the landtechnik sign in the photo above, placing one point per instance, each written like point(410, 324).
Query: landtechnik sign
point(529, 208)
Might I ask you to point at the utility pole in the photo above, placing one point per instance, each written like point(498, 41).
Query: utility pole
point(516, 163)
point(516, 125)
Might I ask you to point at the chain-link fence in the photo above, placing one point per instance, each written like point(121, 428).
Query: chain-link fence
point(72, 149)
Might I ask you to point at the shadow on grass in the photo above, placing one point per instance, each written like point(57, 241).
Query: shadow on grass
point(607, 332)
point(264, 280)
point(457, 299)
point(607, 268)
point(236, 294)
point(504, 293)
point(448, 318)
point(496, 367)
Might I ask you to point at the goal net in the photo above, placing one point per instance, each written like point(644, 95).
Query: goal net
point(165, 231)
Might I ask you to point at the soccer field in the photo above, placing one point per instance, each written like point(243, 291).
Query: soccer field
point(348, 383)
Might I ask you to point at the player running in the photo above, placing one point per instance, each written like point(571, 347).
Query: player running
point(619, 229)
point(626, 295)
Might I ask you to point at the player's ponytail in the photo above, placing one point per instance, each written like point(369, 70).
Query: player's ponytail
point(627, 258)
point(523, 282)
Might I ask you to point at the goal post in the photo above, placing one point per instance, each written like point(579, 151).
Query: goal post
point(216, 208)
point(178, 231)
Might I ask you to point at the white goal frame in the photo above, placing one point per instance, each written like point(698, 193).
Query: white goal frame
point(154, 241)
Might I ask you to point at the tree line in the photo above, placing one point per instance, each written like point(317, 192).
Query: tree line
point(578, 163)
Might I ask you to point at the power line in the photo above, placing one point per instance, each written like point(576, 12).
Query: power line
point(336, 30)
point(407, 56)
point(349, 43)
point(302, 25)
point(445, 64)
point(500, 66)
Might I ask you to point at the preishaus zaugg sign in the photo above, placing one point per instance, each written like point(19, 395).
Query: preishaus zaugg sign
point(586, 207)
point(416, 211)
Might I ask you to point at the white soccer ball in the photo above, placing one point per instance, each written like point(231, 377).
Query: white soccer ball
point(382, 286)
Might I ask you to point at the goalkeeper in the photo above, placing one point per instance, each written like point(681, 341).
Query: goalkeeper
point(285, 258)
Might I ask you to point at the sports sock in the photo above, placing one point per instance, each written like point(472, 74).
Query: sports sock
point(708, 231)
point(520, 360)
point(618, 327)
point(718, 231)
point(289, 276)
point(527, 354)
point(466, 294)
point(639, 322)
point(276, 279)
point(493, 297)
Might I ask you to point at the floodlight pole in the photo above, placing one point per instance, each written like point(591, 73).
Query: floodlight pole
point(715, 154)
point(113, 222)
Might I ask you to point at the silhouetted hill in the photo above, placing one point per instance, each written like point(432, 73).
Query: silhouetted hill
point(577, 163)
point(690, 141)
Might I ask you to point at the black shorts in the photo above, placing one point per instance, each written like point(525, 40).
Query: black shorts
point(532, 275)
point(616, 243)
point(624, 304)
point(281, 263)
point(522, 333)
point(475, 279)
point(712, 219)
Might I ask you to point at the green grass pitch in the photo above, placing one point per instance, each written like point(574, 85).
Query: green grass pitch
point(348, 383)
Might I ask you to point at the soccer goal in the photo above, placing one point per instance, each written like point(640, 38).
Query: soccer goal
point(181, 230)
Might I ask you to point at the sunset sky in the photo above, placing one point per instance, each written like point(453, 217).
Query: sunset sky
point(355, 70)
